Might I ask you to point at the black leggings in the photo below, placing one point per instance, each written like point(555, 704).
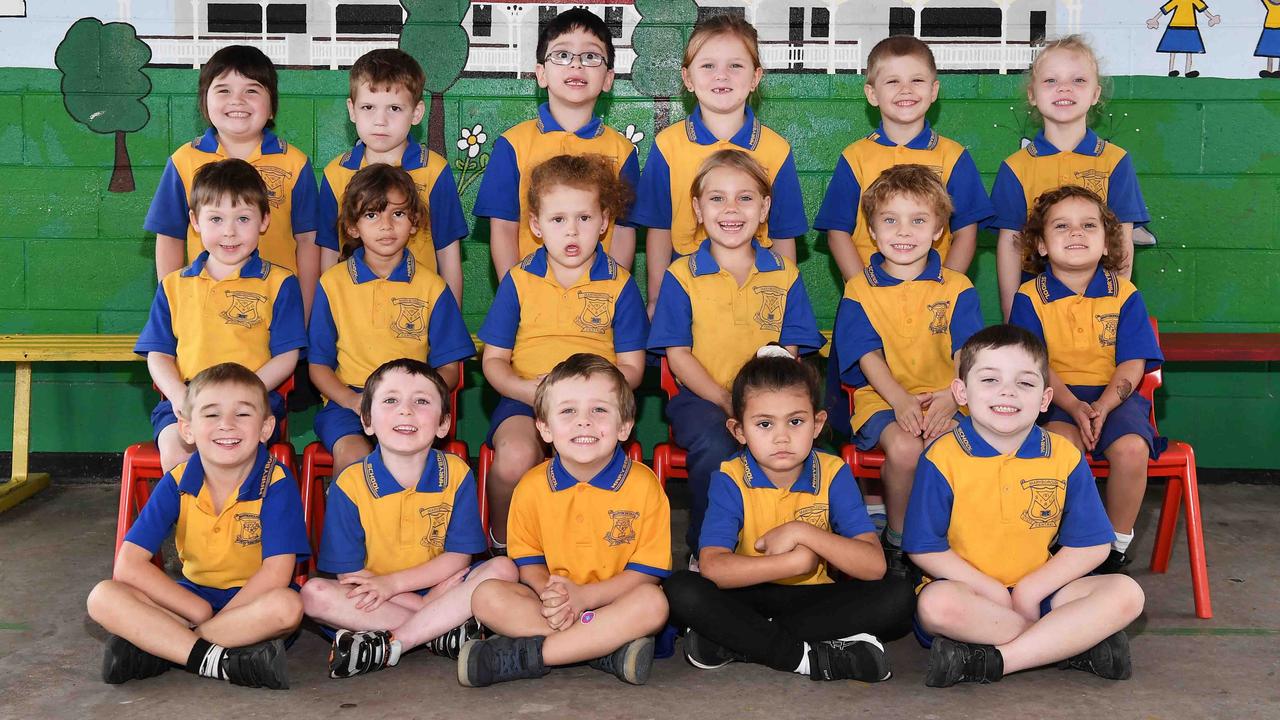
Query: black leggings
point(768, 623)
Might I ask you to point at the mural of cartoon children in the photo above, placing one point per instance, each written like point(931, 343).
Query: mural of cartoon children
point(1269, 41)
point(1183, 34)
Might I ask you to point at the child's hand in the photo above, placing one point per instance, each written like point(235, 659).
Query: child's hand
point(451, 582)
point(375, 589)
point(1083, 414)
point(725, 401)
point(1101, 412)
point(783, 539)
point(993, 590)
point(909, 413)
point(351, 401)
point(805, 560)
point(561, 592)
point(939, 415)
point(1026, 602)
point(178, 399)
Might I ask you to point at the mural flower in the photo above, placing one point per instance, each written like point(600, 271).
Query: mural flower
point(632, 134)
point(471, 140)
point(472, 163)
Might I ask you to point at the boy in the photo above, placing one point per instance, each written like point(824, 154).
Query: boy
point(399, 525)
point(575, 65)
point(591, 534)
point(898, 327)
point(228, 305)
point(237, 519)
point(990, 500)
point(384, 103)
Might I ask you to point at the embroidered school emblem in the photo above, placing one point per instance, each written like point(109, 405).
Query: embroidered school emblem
point(816, 515)
point(411, 321)
point(1110, 324)
point(938, 324)
point(1044, 509)
point(275, 179)
point(439, 516)
point(249, 530)
point(243, 310)
point(1094, 180)
point(622, 531)
point(597, 312)
point(769, 315)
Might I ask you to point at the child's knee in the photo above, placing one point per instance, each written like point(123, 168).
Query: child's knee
point(651, 608)
point(938, 606)
point(498, 568)
point(317, 596)
point(1129, 597)
point(684, 589)
point(1129, 451)
point(172, 450)
point(513, 457)
point(102, 598)
point(901, 449)
point(284, 607)
point(490, 598)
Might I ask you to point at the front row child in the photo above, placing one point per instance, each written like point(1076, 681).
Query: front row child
point(590, 531)
point(238, 526)
point(399, 532)
point(991, 499)
point(780, 515)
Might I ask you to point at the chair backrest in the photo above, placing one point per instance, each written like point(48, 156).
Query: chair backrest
point(453, 409)
point(668, 381)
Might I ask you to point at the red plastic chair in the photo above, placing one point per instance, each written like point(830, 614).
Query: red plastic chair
point(865, 464)
point(669, 460)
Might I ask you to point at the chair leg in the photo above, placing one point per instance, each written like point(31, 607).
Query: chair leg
point(1195, 541)
point(1168, 522)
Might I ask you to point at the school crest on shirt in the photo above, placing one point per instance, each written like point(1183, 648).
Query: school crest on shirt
point(938, 324)
point(243, 310)
point(816, 515)
point(597, 312)
point(623, 530)
point(769, 314)
point(439, 516)
point(248, 529)
point(1095, 181)
point(1044, 509)
point(1110, 323)
point(411, 321)
point(275, 179)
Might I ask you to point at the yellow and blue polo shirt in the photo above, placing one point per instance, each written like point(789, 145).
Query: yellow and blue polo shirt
point(373, 523)
point(591, 530)
point(360, 321)
point(1095, 164)
point(542, 322)
point(444, 224)
point(663, 198)
point(702, 307)
point(1184, 12)
point(291, 193)
point(505, 184)
point(919, 324)
point(1088, 334)
point(863, 161)
point(247, 318)
point(743, 505)
point(223, 547)
point(1002, 513)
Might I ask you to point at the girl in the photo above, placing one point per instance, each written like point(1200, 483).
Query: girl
point(238, 98)
point(376, 306)
point(722, 69)
point(567, 297)
point(1063, 87)
point(1100, 344)
point(717, 307)
point(782, 520)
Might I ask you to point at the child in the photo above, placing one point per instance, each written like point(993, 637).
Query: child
point(781, 513)
point(237, 519)
point(238, 98)
point(399, 531)
point(575, 65)
point(566, 297)
point(228, 305)
point(1100, 345)
point(722, 69)
point(990, 500)
point(897, 330)
point(1062, 88)
point(717, 307)
point(377, 306)
point(902, 81)
point(384, 103)
point(591, 534)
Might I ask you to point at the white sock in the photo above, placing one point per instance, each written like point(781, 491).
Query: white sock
point(493, 542)
point(211, 665)
point(875, 509)
point(803, 667)
point(1122, 541)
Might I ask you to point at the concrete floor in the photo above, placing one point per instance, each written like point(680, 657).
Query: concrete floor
point(56, 546)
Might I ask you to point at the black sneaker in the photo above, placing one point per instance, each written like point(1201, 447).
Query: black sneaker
point(1108, 659)
point(258, 665)
point(705, 654)
point(630, 663)
point(951, 662)
point(357, 653)
point(499, 659)
point(1115, 564)
point(450, 644)
point(857, 657)
point(122, 660)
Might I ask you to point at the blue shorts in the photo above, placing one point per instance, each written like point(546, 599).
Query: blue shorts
point(1131, 417)
point(868, 436)
point(1181, 40)
point(216, 597)
point(1268, 43)
point(505, 409)
point(334, 422)
point(926, 640)
point(162, 415)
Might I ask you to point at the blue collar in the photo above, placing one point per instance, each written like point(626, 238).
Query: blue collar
point(747, 137)
point(877, 277)
point(1104, 283)
point(1036, 444)
point(414, 157)
point(603, 267)
point(381, 483)
point(808, 480)
point(1091, 145)
point(926, 140)
point(360, 272)
point(254, 267)
point(702, 262)
point(610, 478)
point(271, 145)
point(547, 123)
point(253, 487)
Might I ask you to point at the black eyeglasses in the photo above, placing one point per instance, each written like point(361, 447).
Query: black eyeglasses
point(564, 57)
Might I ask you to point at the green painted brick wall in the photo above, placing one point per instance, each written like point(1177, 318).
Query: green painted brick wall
point(73, 257)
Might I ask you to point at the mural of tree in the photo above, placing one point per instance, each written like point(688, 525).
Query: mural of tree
point(433, 34)
point(659, 40)
point(103, 85)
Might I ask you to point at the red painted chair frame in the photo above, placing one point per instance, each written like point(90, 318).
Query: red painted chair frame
point(669, 460)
